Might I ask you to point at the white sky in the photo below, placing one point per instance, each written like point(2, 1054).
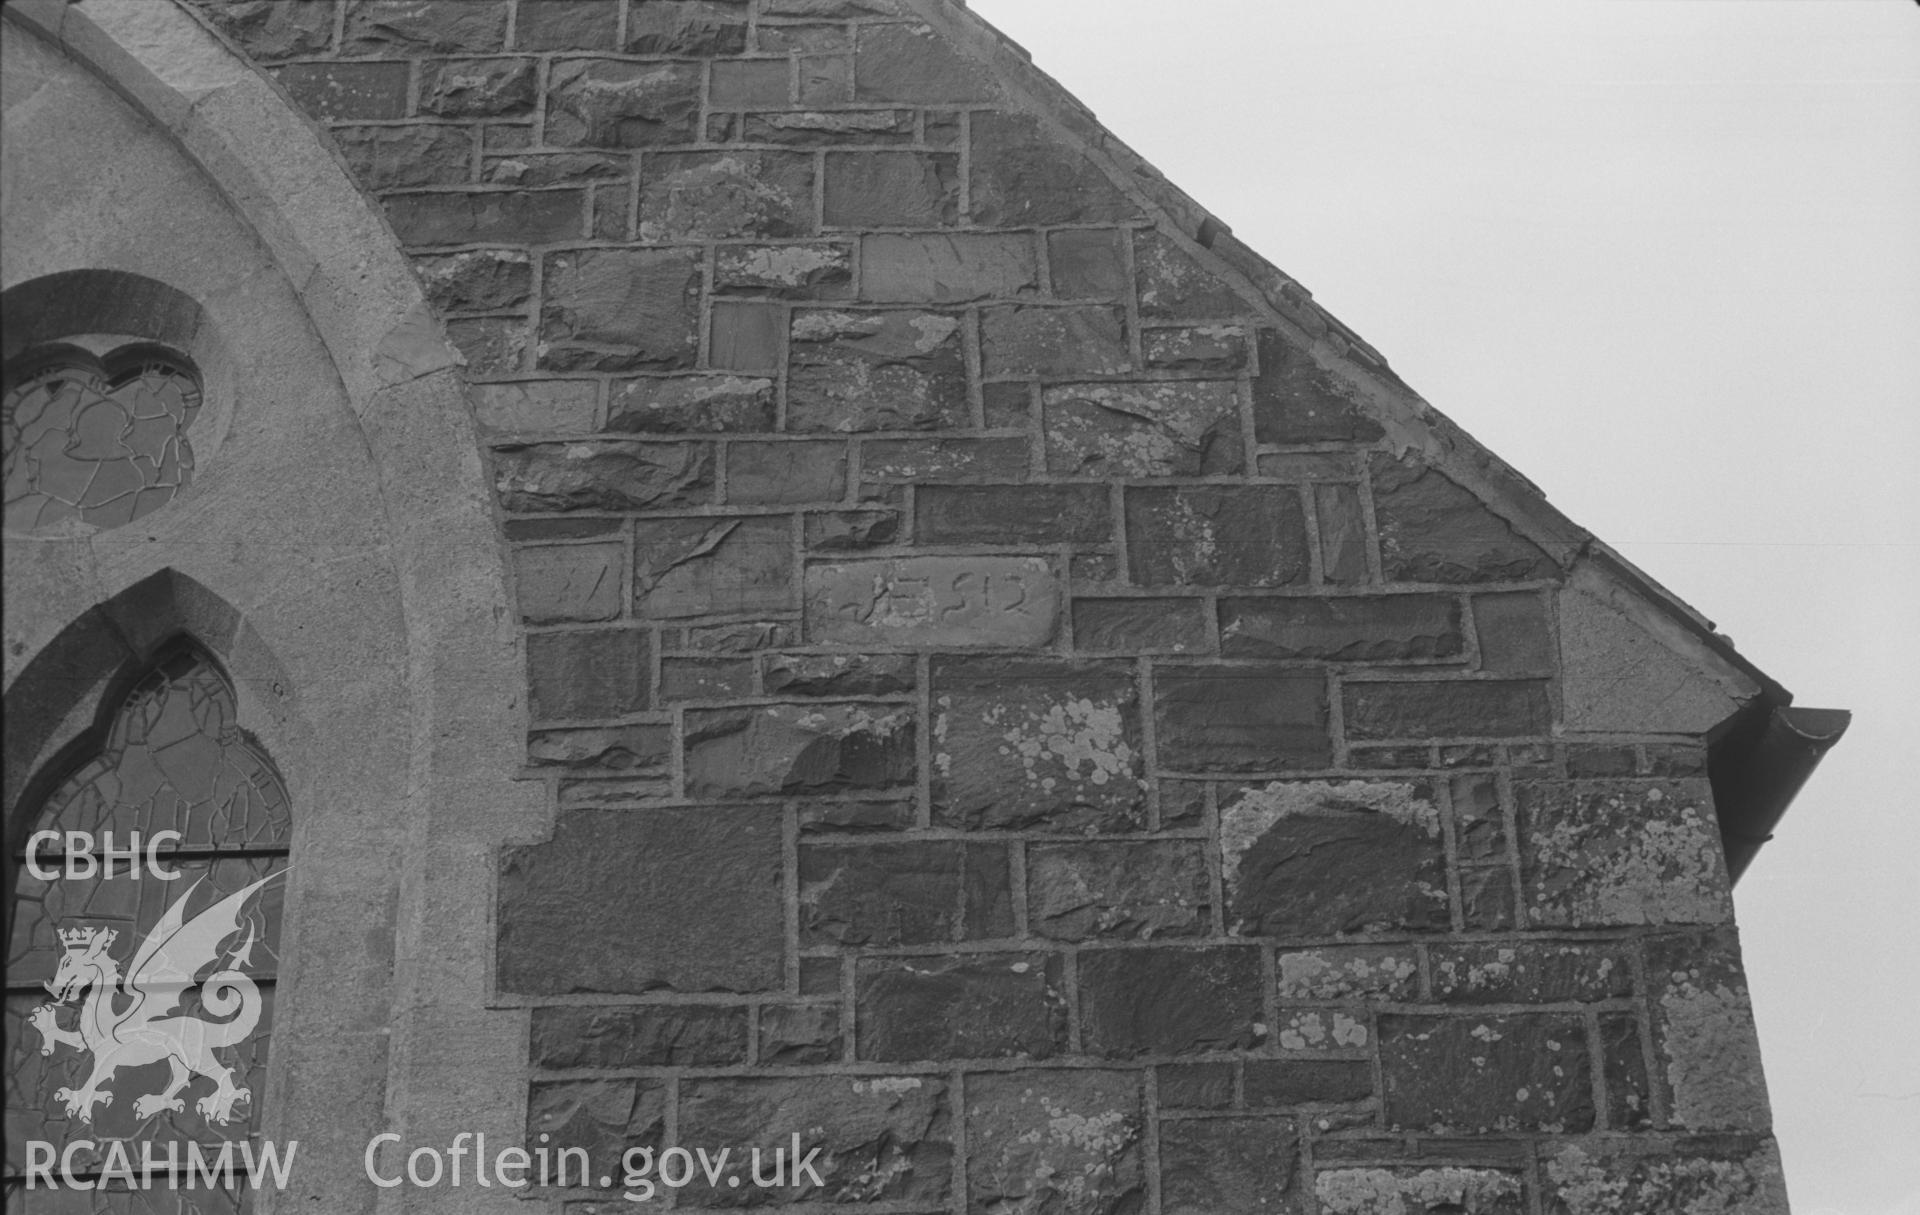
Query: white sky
point(1663, 256)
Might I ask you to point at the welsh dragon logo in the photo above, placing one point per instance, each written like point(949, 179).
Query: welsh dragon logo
point(126, 1023)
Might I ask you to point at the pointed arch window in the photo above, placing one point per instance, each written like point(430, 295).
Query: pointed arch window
point(170, 765)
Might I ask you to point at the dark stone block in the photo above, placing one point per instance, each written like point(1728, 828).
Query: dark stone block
point(629, 750)
point(1216, 535)
point(801, 1033)
point(562, 582)
point(1529, 972)
point(1173, 285)
point(904, 894)
point(347, 90)
point(1343, 534)
point(1284, 1082)
point(913, 64)
point(793, 271)
point(478, 88)
point(855, 371)
point(819, 128)
point(1139, 626)
point(1228, 1164)
point(550, 477)
point(774, 473)
point(1087, 263)
point(484, 280)
point(1376, 628)
point(687, 27)
point(684, 679)
point(1432, 530)
point(1706, 1052)
point(880, 1138)
point(1200, 1086)
point(946, 268)
point(819, 976)
point(1179, 428)
point(1469, 1074)
point(566, 25)
point(1513, 633)
point(692, 404)
point(744, 83)
point(1624, 1063)
point(1621, 852)
point(397, 27)
point(1218, 349)
point(1011, 514)
point(490, 346)
point(531, 217)
point(1479, 823)
point(1241, 719)
point(585, 675)
point(1455, 708)
point(838, 674)
point(1060, 1142)
point(268, 31)
point(1007, 405)
point(1371, 973)
point(1487, 900)
point(602, 103)
point(718, 195)
point(1027, 742)
point(848, 531)
point(712, 567)
point(844, 815)
point(1602, 760)
point(1164, 1001)
point(621, 309)
point(891, 189)
point(605, 1117)
point(1058, 341)
point(747, 336)
point(1083, 891)
point(618, 901)
point(1023, 178)
point(971, 1007)
point(653, 1035)
point(391, 158)
point(944, 459)
point(811, 748)
point(1295, 400)
point(1315, 858)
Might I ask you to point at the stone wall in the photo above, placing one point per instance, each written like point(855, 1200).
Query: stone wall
point(1021, 712)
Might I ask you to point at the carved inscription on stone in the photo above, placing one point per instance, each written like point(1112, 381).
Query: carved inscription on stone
point(936, 601)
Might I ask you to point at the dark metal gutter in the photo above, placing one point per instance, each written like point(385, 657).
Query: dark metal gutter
point(1758, 767)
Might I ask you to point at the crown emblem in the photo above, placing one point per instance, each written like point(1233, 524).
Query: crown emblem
point(72, 937)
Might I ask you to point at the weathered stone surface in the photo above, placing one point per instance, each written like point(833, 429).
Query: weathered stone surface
point(813, 748)
point(1375, 628)
point(1529, 972)
point(702, 195)
point(1453, 1189)
point(1087, 263)
point(971, 1007)
point(1605, 1179)
point(1024, 742)
point(654, 1035)
point(1306, 466)
point(270, 31)
point(856, 371)
point(1011, 514)
point(737, 83)
point(1139, 626)
point(1282, 1082)
point(748, 335)
point(891, 189)
point(944, 459)
point(1295, 400)
point(1488, 902)
point(1472, 1075)
point(685, 679)
point(1314, 858)
point(838, 674)
point(542, 477)
point(1706, 1052)
point(827, 10)
point(1228, 1164)
point(471, 218)
point(1349, 972)
point(946, 268)
point(1513, 633)
point(603, 750)
point(1602, 759)
point(1479, 822)
point(1432, 530)
point(489, 346)
point(1022, 177)
point(1077, 892)
point(912, 63)
point(1239, 719)
point(1321, 1029)
point(386, 27)
point(1201, 1086)
point(1624, 1064)
point(1166, 429)
point(933, 601)
point(1063, 340)
point(532, 169)
point(880, 1138)
point(1212, 348)
point(800, 1033)
point(1343, 534)
point(1061, 1142)
point(691, 404)
point(692, 897)
point(1125, 1009)
point(602, 103)
point(566, 25)
point(815, 128)
point(1454, 708)
point(743, 637)
point(587, 675)
point(387, 158)
point(1216, 535)
point(904, 894)
point(478, 88)
point(569, 581)
point(841, 815)
point(794, 271)
point(1621, 852)
point(687, 27)
point(712, 567)
point(850, 531)
point(604, 1117)
point(820, 976)
point(619, 309)
point(347, 90)
point(484, 280)
point(624, 792)
point(1172, 284)
point(787, 472)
